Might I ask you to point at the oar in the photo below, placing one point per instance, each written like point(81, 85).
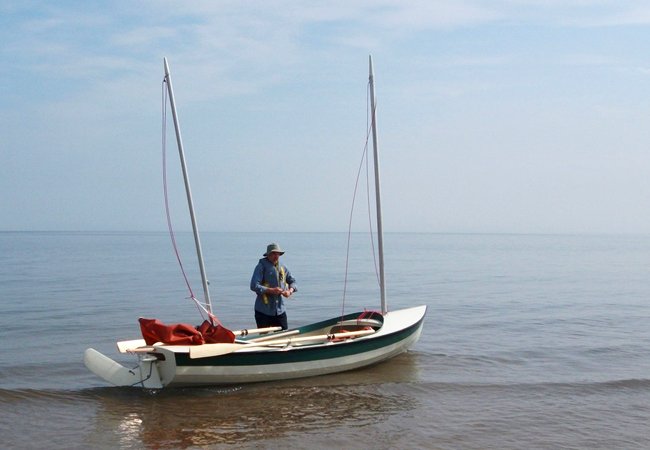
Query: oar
point(126, 346)
point(319, 337)
point(139, 345)
point(141, 350)
point(208, 350)
point(255, 331)
point(274, 336)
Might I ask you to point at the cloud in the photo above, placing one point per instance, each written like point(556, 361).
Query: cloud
point(258, 79)
point(233, 42)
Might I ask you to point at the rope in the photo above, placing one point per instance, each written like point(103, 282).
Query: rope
point(364, 157)
point(372, 240)
point(200, 306)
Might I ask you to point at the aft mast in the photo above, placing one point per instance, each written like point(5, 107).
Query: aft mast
point(188, 191)
point(380, 228)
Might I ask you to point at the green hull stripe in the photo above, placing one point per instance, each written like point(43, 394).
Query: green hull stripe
point(302, 354)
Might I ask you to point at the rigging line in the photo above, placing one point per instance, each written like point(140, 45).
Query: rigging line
point(166, 195)
point(202, 307)
point(364, 156)
point(372, 240)
point(347, 252)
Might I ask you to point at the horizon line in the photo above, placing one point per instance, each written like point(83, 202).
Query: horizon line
point(503, 233)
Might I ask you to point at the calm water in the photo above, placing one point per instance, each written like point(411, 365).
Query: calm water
point(529, 342)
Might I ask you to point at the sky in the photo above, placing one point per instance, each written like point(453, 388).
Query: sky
point(499, 116)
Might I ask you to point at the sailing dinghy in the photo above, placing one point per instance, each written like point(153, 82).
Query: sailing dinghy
point(335, 345)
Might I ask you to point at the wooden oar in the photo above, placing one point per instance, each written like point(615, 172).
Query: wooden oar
point(255, 331)
point(274, 336)
point(127, 346)
point(139, 345)
point(141, 350)
point(318, 337)
point(208, 350)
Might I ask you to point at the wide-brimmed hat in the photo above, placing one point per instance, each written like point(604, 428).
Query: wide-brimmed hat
point(273, 248)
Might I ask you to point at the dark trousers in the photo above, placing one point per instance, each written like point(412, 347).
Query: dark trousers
point(264, 321)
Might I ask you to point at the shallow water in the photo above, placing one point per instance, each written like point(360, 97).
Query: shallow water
point(529, 342)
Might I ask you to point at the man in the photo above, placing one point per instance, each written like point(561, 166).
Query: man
point(272, 282)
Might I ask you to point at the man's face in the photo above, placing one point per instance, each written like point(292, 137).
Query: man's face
point(273, 257)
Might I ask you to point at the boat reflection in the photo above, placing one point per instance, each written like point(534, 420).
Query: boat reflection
point(179, 418)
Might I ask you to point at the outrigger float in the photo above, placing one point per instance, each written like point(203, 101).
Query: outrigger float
point(335, 345)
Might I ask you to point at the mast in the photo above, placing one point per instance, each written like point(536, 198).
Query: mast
point(188, 191)
point(380, 228)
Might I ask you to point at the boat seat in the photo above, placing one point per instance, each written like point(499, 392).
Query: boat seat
point(350, 324)
point(345, 328)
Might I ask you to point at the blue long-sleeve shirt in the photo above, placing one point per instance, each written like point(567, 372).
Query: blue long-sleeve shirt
point(267, 275)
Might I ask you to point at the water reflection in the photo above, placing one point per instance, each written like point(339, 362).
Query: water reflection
point(180, 418)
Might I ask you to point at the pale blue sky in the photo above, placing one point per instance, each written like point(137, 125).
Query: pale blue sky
point(494, 116)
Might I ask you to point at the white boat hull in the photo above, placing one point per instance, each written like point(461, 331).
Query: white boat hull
point(171, 366)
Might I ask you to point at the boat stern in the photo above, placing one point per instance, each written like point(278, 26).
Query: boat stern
point(145, 374)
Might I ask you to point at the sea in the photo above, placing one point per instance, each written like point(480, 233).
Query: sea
point(529, 342)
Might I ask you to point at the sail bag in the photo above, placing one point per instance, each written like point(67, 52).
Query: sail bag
point(153, 330)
